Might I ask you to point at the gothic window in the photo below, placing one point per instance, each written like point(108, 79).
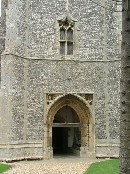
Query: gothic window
point(62, 40)
point(66, 38)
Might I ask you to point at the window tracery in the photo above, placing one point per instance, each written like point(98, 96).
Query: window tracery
point(66, 37)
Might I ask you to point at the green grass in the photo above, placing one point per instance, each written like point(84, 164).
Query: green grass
point(104, 167)
point(4, 167)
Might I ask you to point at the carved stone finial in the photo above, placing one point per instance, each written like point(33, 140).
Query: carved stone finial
point(67, 14)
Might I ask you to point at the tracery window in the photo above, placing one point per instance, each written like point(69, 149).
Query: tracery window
point(66, 37)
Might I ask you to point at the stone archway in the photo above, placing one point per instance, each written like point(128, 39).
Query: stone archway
point(82, 108)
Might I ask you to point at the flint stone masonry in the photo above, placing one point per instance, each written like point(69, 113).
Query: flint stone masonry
point(32, 67)
point(2, 28)
point(3, 25)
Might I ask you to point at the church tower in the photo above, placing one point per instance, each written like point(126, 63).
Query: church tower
point(60, 78)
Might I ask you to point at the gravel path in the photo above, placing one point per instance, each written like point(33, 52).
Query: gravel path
point(54, 166)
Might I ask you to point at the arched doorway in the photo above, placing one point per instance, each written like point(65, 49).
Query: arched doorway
point(66, 135)
point(82, 125)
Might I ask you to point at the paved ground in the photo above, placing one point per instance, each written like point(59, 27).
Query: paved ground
point(57, 165)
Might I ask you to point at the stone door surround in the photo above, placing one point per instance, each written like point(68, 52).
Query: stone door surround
point(82, 104)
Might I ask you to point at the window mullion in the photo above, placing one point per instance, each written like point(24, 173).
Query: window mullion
point(66, 42)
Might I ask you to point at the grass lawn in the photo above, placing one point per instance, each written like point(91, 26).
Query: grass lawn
point(104, 167)
point(4, 167)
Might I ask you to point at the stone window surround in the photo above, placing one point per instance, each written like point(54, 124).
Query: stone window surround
point(76, 30)
point(66, 37)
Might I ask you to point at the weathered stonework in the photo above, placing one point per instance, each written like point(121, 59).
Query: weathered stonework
point(2, 28)
point(36, 81)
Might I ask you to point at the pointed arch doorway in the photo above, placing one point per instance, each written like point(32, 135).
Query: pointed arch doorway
point(66, 135)
point(69, 127)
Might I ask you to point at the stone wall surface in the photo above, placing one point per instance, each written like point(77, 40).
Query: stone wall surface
point(3, 25)
point(27, 104)
point(2, 28)
point(32, 66)
point(32, 28)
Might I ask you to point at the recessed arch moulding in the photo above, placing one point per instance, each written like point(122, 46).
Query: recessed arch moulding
point(83, 106)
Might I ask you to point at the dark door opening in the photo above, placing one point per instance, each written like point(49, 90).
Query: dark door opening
point(60, 140)
point(66, 132)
